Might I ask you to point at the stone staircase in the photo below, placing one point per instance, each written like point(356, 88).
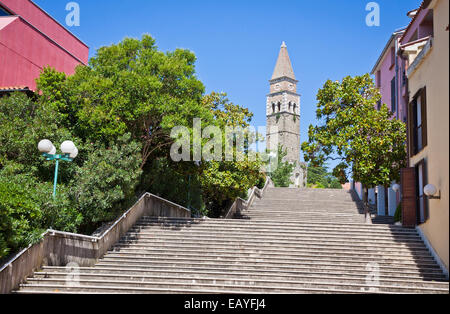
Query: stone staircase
point(291, 241)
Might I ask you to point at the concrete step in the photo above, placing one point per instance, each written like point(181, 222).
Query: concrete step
point(64, 278)
point(63, 289)
point(398, 236)
point(130, 259)
point(303, 247)
point(233, 222)
point(343, 247)
point(272, 251)
point(295, 258)
point(246, 255)
point(255, 226)
point(174, 238)
point(239, 284)
point(312, 268)
point(311, 204)
point(312, 236)
point(307, 216)
point(303, 214)
point(344, 206)
point(248, 273)
point(325, 216)
point(304, 210)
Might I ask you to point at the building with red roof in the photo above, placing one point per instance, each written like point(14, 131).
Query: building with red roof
point(30, 40)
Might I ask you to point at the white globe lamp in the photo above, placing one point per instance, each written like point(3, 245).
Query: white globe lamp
point(430, 190)
point(68, 147)
point(53, 151)
point(396, 188)
point(45, 146)
point(74, 154)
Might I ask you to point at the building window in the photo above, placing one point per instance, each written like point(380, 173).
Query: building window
point(422, 202)
point(378, 78)
point(279, 107)
point(273, 108)
point(418, 122)
point(426, 27)
point(392, 57)
point(290, 106)
point(393, 96)
point(3, 12)
point(295, 108)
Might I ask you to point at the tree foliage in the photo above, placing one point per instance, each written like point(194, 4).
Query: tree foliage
point(133, 88)
point(281, 176)
point(369, 143)
point(107, 180)
point(319, 177)
point(119, 111)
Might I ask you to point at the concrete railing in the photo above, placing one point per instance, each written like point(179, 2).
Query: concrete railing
point(60, 248)
point(241, 205)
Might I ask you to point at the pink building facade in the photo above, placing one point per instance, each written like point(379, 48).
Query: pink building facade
point(389, 72)
point(31, 40)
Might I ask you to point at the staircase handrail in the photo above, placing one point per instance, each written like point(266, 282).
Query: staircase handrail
point(58, 248)
point(241, 205)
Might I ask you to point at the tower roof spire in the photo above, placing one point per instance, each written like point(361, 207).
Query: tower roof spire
point(283, 67)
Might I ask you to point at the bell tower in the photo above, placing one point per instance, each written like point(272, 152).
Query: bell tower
point(283, 108)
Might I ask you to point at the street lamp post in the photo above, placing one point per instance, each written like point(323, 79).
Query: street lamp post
point(48, 150)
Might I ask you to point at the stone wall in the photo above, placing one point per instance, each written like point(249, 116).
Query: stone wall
point(59, 248)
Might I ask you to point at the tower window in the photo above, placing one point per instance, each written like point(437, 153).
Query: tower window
point(273, 108)
point(295, 108)
point(290, 106)
point(279, 107)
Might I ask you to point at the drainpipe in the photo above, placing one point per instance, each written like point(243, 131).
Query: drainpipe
point(397, 89)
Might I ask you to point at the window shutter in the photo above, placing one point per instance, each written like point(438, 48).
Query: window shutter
point(409, 197)
point(423, 96)
point(393, 97)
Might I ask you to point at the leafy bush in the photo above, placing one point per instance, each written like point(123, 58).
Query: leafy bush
point(104, 186)
point(223, 182)
point(19, 214)
point(281, 177)
point(27, 209)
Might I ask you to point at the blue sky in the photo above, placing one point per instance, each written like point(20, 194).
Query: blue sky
point(237, 42)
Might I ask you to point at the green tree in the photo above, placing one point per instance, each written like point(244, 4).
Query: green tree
point(281, 176)
point(119, 111)
point(105, 185)
point(319, 177)
point(369, 143)
point(133, 88)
